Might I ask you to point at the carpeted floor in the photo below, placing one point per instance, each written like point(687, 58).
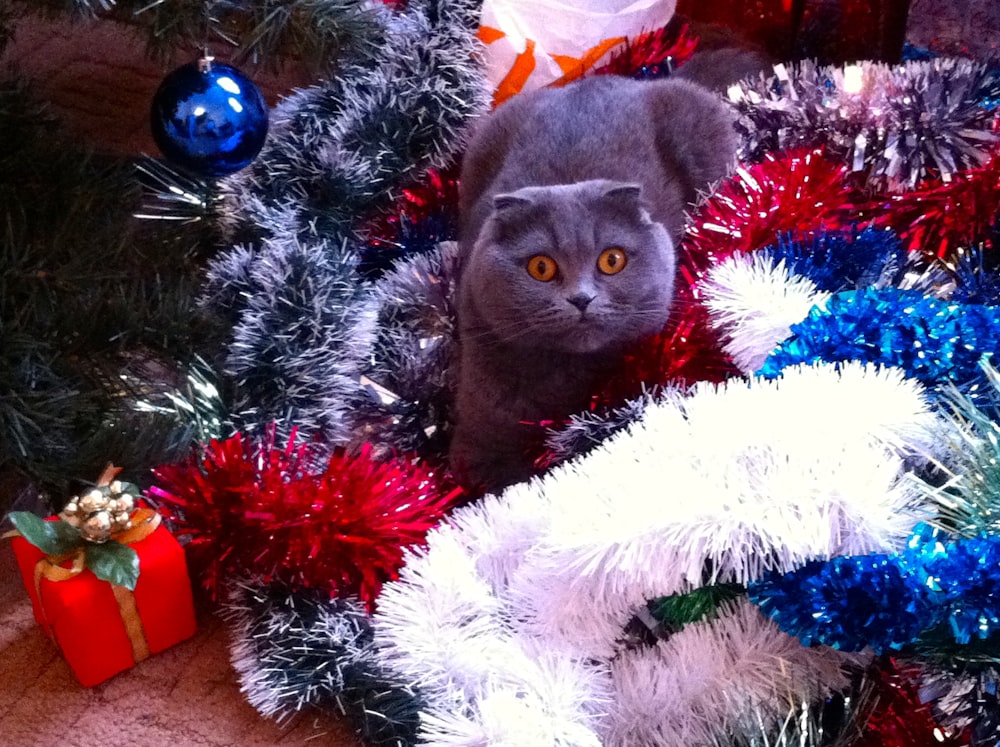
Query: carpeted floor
point(186, 696)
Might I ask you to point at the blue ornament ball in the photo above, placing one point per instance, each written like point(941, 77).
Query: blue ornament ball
point(209, 118)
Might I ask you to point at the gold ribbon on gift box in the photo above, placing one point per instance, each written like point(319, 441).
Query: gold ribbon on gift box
point(52, 568)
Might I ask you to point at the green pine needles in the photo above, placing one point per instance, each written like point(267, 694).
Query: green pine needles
point(968, 496)
point(96, 309)
point(271, 32)
point(680, 610)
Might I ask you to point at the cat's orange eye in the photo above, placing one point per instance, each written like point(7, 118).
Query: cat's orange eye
point(542, 268)
point(612, 261)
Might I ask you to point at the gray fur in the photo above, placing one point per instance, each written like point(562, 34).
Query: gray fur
point(606, 162)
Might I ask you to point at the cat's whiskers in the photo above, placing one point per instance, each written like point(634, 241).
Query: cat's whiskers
point(634, 314)
point(510, 330)
point(550, 321)
point(624, 311)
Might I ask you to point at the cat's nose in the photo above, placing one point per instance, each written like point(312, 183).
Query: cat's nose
point(580, 300)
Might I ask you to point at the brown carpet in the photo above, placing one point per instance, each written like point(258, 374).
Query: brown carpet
point(187, 695)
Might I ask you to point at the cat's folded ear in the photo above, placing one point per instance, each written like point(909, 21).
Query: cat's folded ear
point(513, 211)
point(628, 197)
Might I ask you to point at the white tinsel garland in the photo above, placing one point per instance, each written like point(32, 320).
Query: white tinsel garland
point(744, 478)
point(710, 679)
point(741, 478)
point(754, 300)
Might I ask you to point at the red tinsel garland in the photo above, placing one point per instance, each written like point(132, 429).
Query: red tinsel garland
point(898, 717)
point(799, 191)
point(672, 45)
point(688, 350)
point(256, 509)
point(941, 218)
point(436, 193)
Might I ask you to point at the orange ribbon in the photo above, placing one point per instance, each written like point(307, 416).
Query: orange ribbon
point(520, 71)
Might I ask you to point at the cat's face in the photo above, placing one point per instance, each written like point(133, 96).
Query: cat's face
point(575, 268)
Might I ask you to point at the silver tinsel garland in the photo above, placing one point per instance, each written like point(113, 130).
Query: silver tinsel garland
point(966, 700)
point(337, 152)
point(297, 649)
point(896, 125)
point(586, 430)
point(405, 402)
point(303, 325)
point(311, 340)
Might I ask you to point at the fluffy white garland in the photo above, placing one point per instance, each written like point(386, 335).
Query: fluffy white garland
point(508, 620)
point(754, 301)
point(710, 679)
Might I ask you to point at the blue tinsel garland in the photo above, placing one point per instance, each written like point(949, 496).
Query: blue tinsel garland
point(837, 261)
point(889, 601)
point(931, 340)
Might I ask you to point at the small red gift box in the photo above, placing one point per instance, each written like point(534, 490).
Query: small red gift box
point(103, 629)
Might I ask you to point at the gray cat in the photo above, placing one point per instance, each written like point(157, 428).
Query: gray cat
point(572, 200)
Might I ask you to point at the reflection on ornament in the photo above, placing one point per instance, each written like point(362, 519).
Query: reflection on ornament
point(209, 118)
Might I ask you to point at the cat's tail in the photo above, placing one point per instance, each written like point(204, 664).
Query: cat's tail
point(723, 57)
point(718, 69)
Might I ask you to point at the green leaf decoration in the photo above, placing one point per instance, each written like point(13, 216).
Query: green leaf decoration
point(115, 563)
point(51, 537)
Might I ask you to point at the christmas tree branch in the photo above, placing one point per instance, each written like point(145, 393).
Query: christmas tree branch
point(266, 31)
point(96, 311)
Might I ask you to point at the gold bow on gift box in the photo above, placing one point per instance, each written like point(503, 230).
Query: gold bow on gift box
point(71, 545)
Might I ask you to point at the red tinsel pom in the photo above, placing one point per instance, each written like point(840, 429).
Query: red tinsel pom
point(253, 508)
point(898, 718)
point(799, 191)
point(940, 219)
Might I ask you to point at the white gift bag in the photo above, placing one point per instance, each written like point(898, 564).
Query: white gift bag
point(532, 43)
